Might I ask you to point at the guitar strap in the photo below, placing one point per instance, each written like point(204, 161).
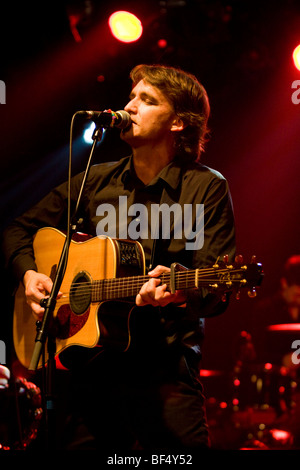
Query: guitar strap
point(153, 249)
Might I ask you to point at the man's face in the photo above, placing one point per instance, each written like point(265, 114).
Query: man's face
point(153, 117)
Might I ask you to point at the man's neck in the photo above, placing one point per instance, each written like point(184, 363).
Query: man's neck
point(148, 163)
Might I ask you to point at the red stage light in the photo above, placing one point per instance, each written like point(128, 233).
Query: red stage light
point(125, 26)
point(296, 57)
point(162, 43)
point(285, 327)
point(281, 435)
point(223, 405)
point(209, 373)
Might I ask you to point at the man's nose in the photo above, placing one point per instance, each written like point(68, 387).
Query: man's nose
point(131, 106)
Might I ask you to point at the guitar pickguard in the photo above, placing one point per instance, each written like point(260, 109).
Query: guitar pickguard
point(67, 323)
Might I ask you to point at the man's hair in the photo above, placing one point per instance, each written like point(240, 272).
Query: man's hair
point(190, 102)
point(291, 271)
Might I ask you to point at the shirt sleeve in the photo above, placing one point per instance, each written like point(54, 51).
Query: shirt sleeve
point(51, 211)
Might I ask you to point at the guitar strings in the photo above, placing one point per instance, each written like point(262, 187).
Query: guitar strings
point(133, 280)
point(126, 284)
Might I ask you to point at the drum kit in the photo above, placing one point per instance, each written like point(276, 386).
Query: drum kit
point(261, 404)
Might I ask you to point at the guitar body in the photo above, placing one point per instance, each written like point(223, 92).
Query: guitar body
point(77, 325)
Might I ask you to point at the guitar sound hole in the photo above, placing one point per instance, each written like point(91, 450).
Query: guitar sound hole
point(80, 293)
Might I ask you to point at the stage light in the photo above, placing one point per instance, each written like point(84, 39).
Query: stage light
point(223, 405)
point(162, 43)
point(282, 436)
point(296, 57)
point(125, 26)
point(88, 133)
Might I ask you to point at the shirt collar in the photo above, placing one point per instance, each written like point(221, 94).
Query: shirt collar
point(127, 170)
point(170, 174)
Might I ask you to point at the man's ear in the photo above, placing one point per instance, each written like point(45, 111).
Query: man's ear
point(177, 124)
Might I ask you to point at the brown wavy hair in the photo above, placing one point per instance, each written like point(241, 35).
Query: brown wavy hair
point(190, 102)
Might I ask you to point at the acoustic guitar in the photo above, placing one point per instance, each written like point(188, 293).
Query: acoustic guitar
point(105, 272)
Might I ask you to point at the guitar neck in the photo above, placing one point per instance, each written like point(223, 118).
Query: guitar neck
point(124, 287)
point(214, 278)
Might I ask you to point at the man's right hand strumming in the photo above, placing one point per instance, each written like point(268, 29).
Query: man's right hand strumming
point(37, 287)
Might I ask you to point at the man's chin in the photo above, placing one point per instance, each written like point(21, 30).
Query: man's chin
point(126, 134)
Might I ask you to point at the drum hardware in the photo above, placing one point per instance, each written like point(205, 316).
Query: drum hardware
point(21, 413)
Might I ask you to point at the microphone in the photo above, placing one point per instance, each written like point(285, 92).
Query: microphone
point(109, 118)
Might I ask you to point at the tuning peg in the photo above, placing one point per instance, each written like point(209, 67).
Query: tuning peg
point(224, 298)
point(253, 259)
point(226, 259)
point(239, 259)
point(216, 266)
point(252, 293)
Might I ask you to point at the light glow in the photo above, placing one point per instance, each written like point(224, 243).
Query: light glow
point(88, 133)
point(285, 327)
point(125, 26)
point(281, 435)
point(296, 57)
point(268, 366)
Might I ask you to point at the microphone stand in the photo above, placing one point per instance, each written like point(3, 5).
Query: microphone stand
point(49, 304)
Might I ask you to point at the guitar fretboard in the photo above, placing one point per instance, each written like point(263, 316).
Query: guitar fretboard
point(117, 288)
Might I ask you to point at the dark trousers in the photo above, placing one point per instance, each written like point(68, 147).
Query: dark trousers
point(128, 401)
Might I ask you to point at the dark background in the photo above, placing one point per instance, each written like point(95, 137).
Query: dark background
point(242, 53)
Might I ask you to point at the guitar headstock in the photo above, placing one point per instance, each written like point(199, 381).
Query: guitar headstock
point(234, 277)
point(252, 274)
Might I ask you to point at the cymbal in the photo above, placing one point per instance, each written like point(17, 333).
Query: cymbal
point(284, 327)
